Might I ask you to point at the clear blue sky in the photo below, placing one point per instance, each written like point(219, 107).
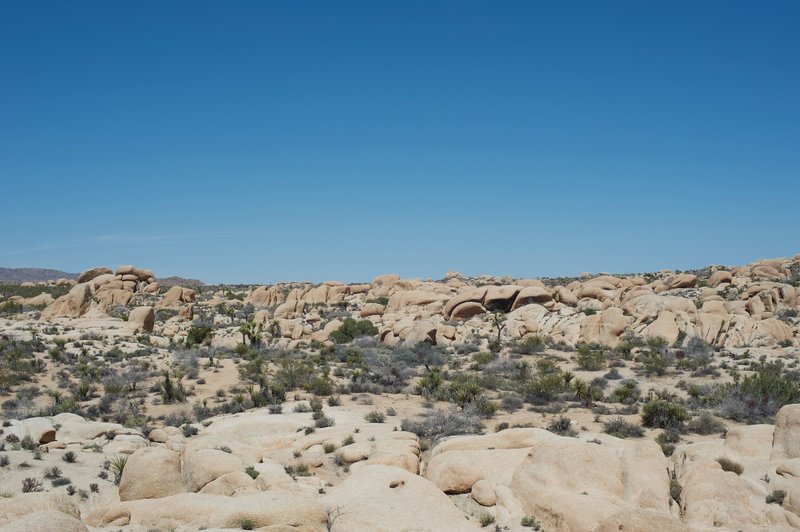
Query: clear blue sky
point(265, 141)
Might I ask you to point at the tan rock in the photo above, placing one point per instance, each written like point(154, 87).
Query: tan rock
point(483, 493)
point(719, 277)
point(88, 275)
point(384, 499)
point(205, 465)
point(142, 319)
point(45, 521)
point(532, 294)
point(151, 473)
point(280, 510)
point(605, 327)
point(786, 442)
point(500, 298)
point(72, 305)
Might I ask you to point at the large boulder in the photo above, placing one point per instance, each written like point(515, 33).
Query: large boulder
point(664, 327)
point(532, 294)
point(88, 275)
point(786, 439)
point(266, 296)
point(382, 499)
point(27, 504)
point(605, 327)
point(45, 521)
point(578, 485)
point(500, 298)
point(205, 465)
point(279, 510)
point(143, 319)
point(73, 304)
point(151, 473)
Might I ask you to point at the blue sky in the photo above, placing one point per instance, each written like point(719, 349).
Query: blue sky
point(267, 141)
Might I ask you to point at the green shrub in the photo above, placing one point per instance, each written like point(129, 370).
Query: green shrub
point(627, 392)
point(590, 359)
point(31, 485)
point(375, 416)
point(757, 398)
point(486, 520)
point(656, 358)
point(199, 335)
point(621, 428)
point(252, 472)
point(662, 414)
point(730, 465)
point(351, 329)
point(776, 497)
point(531, 344)
point(675, 490)
point(530, 521)
point(70, 457)
point(562, 426)
point(667, 441)
point(705, 423)
point(439, 423)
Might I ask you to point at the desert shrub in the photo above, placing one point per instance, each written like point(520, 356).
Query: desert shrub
point(530, 521)
point(4, 461)
point(590, 358)
point(627, 392)
point(776, 497)
point(172, 393)
point(756, 398)
point(31, 485)
point(375, 416)
point(27, 443)
point(545, 385)
point(348, 440)
point(329, 447)
point(663, 414)
point(656, 358)
point(117, 466)
point(52, 472)
point(730, 465)
point(511, 402)
point(675, 490)
point(252, 472)
point(621, 428)
point(705, 423)
point(60, 481)
point(667, 440)
point(323, 422)
point(70, 457)
point(562, 426)
point(587, 393)
point(439, 423)
point(199, 335)
point(316, 404)
point(351, 329)
point(696, 356)
point(486, 519)
point(533, 343)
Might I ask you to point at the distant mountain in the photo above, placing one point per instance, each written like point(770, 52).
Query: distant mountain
point(179, 281)
point(22, 275)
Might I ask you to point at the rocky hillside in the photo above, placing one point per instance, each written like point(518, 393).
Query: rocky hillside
point(32, 275)
point(659, 401)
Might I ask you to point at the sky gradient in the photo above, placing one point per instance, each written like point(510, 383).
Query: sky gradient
point(270, 141)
